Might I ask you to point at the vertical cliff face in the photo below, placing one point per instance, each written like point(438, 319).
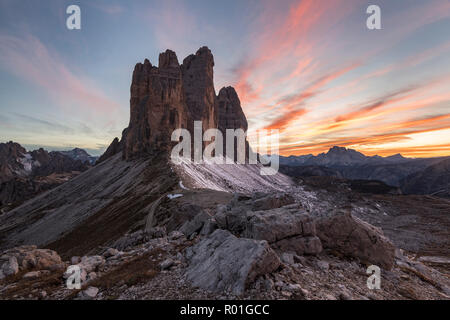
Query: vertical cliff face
point(9, 153)
point(156, 106)
point(198, 85)
point(230, 111)
point(231, 116)
point(173, 96)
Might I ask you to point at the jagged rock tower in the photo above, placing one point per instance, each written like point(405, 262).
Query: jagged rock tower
point(173, 96)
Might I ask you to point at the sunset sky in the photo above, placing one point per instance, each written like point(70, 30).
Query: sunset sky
point(309, 68)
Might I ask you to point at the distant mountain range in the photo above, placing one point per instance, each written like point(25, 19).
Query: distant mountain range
point(80, 154)
point(340, 156)
point(24, 174)
point(412, 175)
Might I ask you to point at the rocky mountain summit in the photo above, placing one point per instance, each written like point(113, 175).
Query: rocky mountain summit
point(172, 96)
point(155, 229)
point(340, 156)
point(15, 161)
point(80, 154)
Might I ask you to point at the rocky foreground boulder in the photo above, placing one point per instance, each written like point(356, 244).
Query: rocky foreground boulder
point(28, 258)
point(355, 238)
point(274, 218)
point(157, 268)
point(224, 263)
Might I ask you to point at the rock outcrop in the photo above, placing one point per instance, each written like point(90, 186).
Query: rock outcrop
point(231, 116)
point(28, 258)
point(356, 238)
point(114, 148)
point(10, 152)
point(225, 263)
point(198, 87)
point(157, 106)
point(156, 268)
point(274, 218)
point(173, 96)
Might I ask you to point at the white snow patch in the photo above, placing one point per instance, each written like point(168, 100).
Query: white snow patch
point(234, 177)
point(182, 186)
point(174, 196)
point(27, 162)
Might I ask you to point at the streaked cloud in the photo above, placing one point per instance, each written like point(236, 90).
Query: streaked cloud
point(29, 59)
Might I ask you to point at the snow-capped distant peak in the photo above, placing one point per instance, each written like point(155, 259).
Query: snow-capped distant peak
point(27, 162)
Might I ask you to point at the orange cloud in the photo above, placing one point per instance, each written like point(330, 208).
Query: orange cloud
point(285, 119)
point(375, 139)
point(418, 122)
point(295, 51)
point(289, 104)
point(377, 109)
point(274, 43)
point(432, 150)
point(377, 104)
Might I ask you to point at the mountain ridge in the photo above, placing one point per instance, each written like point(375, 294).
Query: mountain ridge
point(24, 174)
point(346, 156)
point(351, 164)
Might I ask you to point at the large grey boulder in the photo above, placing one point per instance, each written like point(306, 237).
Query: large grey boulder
point(288, 228)
point(278, 224)
point(356, 238)
point(208, 227)
point(272, 201)
point(300, 245)
point(196, 224)
point(224, 263)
